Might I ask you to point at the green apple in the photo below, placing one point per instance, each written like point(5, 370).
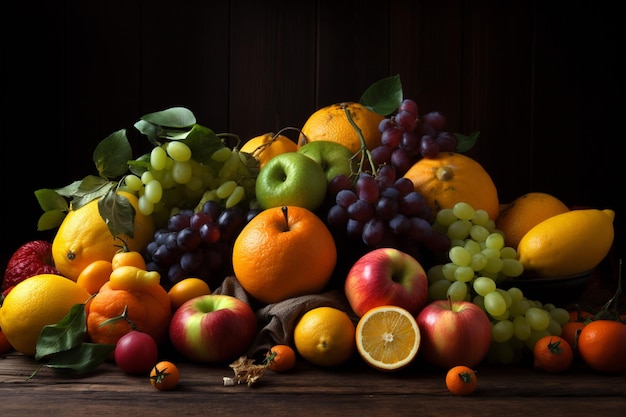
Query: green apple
point(332, 156)
point(291, 179)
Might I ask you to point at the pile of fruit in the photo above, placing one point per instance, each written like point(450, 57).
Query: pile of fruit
point(371, 235)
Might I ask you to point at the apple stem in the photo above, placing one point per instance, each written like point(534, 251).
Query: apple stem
point(286, 214)
point(450, 302)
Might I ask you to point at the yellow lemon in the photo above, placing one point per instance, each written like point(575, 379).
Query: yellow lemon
point(35, 303)
point(84, 237)
point(569, 243)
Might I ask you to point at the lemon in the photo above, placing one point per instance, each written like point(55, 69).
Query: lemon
point(35, 303)
point(569, 243)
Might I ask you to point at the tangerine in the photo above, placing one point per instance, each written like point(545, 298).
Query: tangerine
point(147, 309)
point(84, 237)
point(601, 345)
point(332, 123)
point(552, 354)
point(461, 380)
point(526, 211)
point(265, 147)
point(284, 252)
point(450, 178)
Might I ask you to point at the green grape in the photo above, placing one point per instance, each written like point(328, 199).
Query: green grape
point(472, 246)
point(535, 335)
point(507, 297)
point(503, 353)
point(448, 270)
point(538, 318)
point(479, 300)
point(521, 328)
point(459, 229)
point(495, 304)
point(520, 307)
point(478, 261)
point(167, 181)
point(221, 155)
point(195, 184)
point(457, 291)
point(508, 252)
point(158, 158)
point(491, 253)
point(146, 177)
point(512, 267)
point(463, 211)
point(494, 265)
point(479, 233)
point(495, 241)
point(554, 328)
point(235, 197)
point(133, 182)
point(178, 151)
point(504, 316)
point(153, 191)
point(446, 217)
point(438, 290)
point(226, 189)
point(516, 295)
point(457, 242)
point(484, 285)
point(181, 172)
point(481, 217)
point(435, 273)
point(490, 225)
point(502, 331)
point(561, 315)
point(146, 207)
point(464, 274)
point(459, 255)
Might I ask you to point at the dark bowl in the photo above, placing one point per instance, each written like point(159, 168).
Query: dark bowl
point(558, 291)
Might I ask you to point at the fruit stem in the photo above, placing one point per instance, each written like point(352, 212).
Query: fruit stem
point(364, 152)
point(286, 215)
point(609, 310)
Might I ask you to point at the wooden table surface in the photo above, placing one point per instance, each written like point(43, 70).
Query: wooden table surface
point(354, 389)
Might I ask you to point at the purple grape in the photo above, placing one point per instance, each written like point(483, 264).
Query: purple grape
point(435, 120)
point(390, 192)
point(210, 232)
point(429, 148)
point(385, 124)
point(382, 154)
point(404, 186)
point(231, 221)
point(200, 218)
point(412, 203)
point(213, 208)
point(386, 176)
point(391, 137)
point(373, 232)
point(164, 257)
point(399, 224)
point(188, 239)
point(338, 183)
point(420, 230)
point(411, 143)
point(354, 228)
point(401, 160)
point(176, 273)
point(360, 211)
point(171, 242)
point(337, 216)
point(367, 188)
point(447, 142)
point(438, 242)
point(191, 261)
point(178, 222)
point(410, 106)
point(386, 208)
point(406, 120)
point(346, 197)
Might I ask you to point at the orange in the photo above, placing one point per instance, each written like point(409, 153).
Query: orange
point(265, 147)
point(451, 178)
point(84, 237)
point(332, 123)
point(461, 380)
point(186, 289)
point(165, 376)
point(570, 332)
point(95, 275)
point(552, 354)
point(387, 337)
point(280, 358)
point(147, 310)
point(35, 303)
point(325, 336)
point(526, 211)
point(283, 253)
point(601, 345)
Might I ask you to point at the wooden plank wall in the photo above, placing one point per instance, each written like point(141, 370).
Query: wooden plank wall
point(541, 80)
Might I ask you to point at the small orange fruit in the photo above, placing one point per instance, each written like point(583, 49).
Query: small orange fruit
point(95, 275)
point(461, 380)
point(84, 237)
point(186, 289)
point(387, 337)
point(601, 345)
point(570, 332)
point(552, 354)
point(165, 376)
point(267, 146)
point(325, 336)
point(35, 303)
point(331, 123)
point(284, 252)
point(451, 178)
point(280, 358)
point(526, 211)
point(127, 257)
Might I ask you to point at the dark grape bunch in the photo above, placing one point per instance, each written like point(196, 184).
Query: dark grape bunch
point(406, 137)
point(197, 244)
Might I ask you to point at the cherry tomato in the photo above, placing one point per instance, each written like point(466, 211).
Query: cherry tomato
point(136, 352)
point(164, 376)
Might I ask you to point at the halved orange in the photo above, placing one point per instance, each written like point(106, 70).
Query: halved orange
point(388, 338)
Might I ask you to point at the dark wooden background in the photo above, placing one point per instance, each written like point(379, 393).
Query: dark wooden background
point(543, 81)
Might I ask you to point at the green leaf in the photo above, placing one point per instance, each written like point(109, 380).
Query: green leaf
point(140, 165)
point(64, 335)
point(203, 142)
point(177, 117)
point(51, 200)
point(384, 96)
point(50, 220)
point(83, 358)
point(153, 132)
point(118, 213)
point(465, 143)
point(112, 154)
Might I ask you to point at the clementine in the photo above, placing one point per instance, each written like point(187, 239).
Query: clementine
point(332, 123)
point(451, 178)
point(284, 252)
point(267, 146)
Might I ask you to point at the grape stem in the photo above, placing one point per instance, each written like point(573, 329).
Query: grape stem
point(364, 151)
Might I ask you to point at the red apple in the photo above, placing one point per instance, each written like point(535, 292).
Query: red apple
point(386, 276)
point(30, 259)
point(213, 328)
point(454, 333)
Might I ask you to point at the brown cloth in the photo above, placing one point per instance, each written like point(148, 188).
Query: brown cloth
point(277, 321)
